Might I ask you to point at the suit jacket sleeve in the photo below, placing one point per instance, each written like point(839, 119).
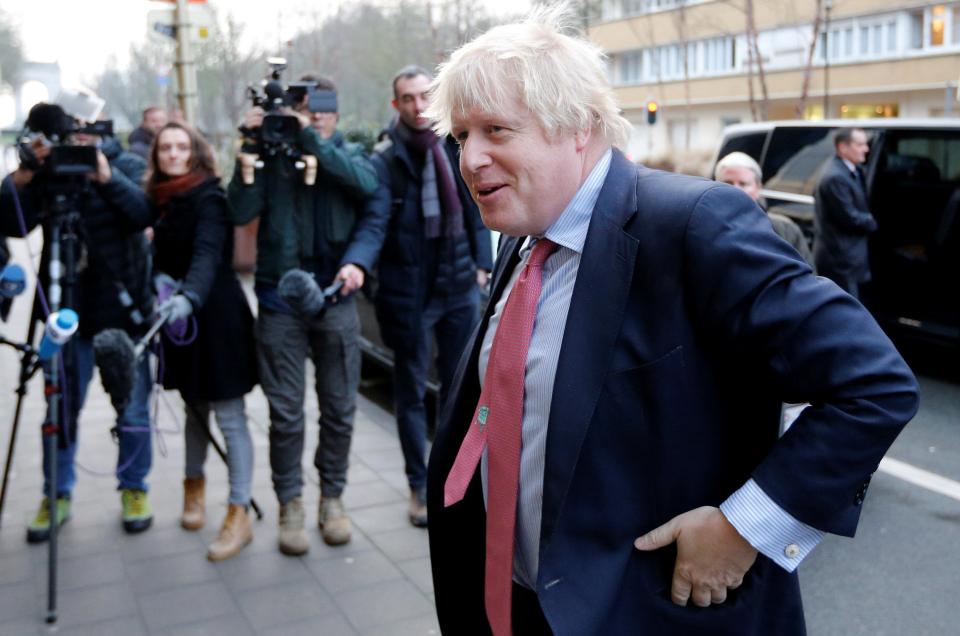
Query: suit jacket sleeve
point(819, 345)
point(840, 205)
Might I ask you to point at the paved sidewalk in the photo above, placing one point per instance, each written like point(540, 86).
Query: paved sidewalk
point(159, 582)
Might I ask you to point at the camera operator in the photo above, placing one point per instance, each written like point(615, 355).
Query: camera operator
point(107, 210)
point(319, 228)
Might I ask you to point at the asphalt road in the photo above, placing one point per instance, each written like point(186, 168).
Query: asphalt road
point(901, 573)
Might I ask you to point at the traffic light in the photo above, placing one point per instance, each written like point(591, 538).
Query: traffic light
point(652, 108)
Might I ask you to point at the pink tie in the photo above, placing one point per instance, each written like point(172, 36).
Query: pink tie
point(497, 425)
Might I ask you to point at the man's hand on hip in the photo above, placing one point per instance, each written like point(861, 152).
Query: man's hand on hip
point(712, 557)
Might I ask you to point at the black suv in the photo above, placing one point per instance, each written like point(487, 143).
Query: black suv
point(913, 184)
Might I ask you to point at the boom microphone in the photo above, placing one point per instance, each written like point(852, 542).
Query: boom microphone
point(298, 289)
point(113, 351)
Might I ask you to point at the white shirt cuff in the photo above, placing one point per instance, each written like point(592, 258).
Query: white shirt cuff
point(769, 528)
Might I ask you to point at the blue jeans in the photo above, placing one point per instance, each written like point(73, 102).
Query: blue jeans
point(233, 424)
point(136, 452)
point(450, 321)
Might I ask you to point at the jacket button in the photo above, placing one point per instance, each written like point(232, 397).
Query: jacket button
point(792, 551)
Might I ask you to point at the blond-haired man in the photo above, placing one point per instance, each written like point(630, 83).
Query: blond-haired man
point(608, 460)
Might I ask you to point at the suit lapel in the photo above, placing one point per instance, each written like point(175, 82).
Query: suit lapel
point(593, 323)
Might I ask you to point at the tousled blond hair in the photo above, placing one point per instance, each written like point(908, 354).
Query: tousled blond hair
point(560, 78)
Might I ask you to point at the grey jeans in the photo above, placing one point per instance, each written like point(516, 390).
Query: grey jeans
point(333, 343)
point(233, 424)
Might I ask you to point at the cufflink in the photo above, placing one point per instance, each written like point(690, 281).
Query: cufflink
point(792, 551)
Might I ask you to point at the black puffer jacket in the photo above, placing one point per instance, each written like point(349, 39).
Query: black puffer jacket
point(113, 255)
point(413, 269)
point(193, 242)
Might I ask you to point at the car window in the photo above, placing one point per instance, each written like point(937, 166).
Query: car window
point(750, 143)
point(795, 158)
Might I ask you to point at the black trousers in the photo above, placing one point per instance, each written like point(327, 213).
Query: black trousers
point(528, 618)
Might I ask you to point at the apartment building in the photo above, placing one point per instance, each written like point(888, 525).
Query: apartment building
point(871, 58)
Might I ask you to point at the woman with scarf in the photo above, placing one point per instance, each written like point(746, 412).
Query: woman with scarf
point(207, 343)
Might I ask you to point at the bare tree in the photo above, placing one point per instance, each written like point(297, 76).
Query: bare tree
point(808, 67)
point(11, 54)
point(755, 66)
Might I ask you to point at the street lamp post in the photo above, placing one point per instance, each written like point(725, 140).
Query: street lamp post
point(827, 6)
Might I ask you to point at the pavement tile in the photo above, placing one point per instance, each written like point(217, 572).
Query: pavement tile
point(125, 626)
point(186, 604)
point(383, 603)
point(425, 625)
point(254, 571)
point(33, 626)
point(235, 625)
point(365, 568)
point(418, 571)
point(94, 604)
point(20, 600)
point(16, 568)
point(278, 604)
point(369, 494)
point(382, 517)
point(333, 625)
point(384, 458)
point(156, 542)
point(403, 544)
point(161, 573)
point(84, 571)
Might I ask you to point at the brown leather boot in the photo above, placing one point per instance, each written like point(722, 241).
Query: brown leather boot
point(193, 508)
point(235, 534)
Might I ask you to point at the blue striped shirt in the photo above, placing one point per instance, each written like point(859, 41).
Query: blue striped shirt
point(770, 529)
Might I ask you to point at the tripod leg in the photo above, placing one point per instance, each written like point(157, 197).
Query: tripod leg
point(222, 453)
point(13, 440)
point(26, 362)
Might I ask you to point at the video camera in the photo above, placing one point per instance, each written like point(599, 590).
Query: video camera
point(280, 130)
point(51, 123)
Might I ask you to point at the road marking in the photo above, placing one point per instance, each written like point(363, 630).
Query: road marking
point(920, 477)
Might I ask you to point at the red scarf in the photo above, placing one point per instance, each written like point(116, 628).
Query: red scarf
point(162, 192)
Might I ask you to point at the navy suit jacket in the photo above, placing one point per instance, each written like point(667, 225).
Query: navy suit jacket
point(690, 322)
point(843, 221)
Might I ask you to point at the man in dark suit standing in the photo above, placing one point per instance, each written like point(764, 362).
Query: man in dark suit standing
point(608, 460)
point(843, 218)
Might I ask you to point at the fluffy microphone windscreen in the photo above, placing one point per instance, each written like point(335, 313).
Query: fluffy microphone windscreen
point(298, 289)
point(113, 352)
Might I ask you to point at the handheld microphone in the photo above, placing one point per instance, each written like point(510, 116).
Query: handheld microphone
point(115, 356)
point(61, 325)
point(13, 281)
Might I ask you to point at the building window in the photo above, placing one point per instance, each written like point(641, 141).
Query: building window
point(868, 111)
point(938, 25)
point(916, 30)
point(956, 26)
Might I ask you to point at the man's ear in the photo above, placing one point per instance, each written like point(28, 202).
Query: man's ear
point(582, 139)
point(393, 102)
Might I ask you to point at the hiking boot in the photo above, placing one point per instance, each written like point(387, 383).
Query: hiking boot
point(137, 511)
point(334, 522)
point(417, 512)
point(193, 506)
point(293, 539)
point(38, 530)
point(235, 534)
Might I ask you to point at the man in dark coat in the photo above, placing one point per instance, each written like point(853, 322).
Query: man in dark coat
point(316, 223)
point(608, 461)
point(843, 220)
point(140, 140)
point(111, 291)
point(435, 259)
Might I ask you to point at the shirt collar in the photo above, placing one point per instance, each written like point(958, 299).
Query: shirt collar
point(570, 228)
point(852, 167)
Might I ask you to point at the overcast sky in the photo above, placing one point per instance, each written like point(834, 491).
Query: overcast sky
point(83, 35)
